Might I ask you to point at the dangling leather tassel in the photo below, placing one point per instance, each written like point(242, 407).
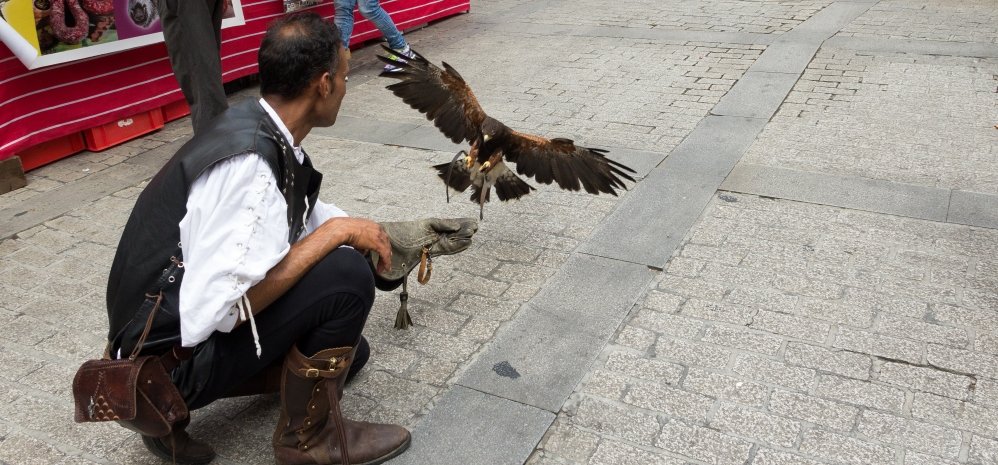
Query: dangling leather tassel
point(402, 319)
point(425, 266)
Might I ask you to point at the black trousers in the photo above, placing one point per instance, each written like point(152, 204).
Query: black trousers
point(192, 32)
point(327, 308)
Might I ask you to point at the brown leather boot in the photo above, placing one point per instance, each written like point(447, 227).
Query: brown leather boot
point(180, 447)
point(311, 429)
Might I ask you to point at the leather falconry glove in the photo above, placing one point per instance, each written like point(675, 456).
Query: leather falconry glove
point(415, 244)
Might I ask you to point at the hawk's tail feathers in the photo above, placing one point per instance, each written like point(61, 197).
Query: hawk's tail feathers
point(509, 186)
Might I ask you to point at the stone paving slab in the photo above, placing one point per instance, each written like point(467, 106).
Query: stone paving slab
point(842, 191)
point(788, 57)
point(973, 209)
point(757, 95)
point(529, 362)
point(452, 433)
point(914, 46)
point(652, 219)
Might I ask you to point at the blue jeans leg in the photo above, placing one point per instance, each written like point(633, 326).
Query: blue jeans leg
point(344, 19)
point(371, 9)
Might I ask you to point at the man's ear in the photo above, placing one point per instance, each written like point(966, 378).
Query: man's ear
point(326, 83)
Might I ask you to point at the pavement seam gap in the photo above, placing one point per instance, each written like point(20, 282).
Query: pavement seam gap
point(619, 260)
point(505, 398)
point(880, 212)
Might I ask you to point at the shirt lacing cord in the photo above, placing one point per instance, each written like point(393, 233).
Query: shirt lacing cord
point(246, 313)
point(304, 216)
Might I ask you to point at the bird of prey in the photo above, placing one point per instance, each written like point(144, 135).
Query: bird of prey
point(447, 100)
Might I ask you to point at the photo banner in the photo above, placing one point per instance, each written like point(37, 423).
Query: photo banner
point(295, 5)
point(47, 32)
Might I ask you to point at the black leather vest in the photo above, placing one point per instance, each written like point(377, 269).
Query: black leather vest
point(152, 235)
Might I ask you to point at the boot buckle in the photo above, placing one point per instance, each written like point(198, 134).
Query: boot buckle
point(312, 373)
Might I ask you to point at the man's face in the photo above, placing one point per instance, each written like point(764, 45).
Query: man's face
point(329, 106)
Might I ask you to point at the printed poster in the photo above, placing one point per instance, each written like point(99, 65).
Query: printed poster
point(47, 32)
point(295, 5)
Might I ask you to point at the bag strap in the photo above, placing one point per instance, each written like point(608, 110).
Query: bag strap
point(145, 331)
point(172, 359)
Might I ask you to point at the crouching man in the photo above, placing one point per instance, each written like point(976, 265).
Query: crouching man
point(264, 284)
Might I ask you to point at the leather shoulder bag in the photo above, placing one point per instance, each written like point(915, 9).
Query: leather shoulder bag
point(136, 391)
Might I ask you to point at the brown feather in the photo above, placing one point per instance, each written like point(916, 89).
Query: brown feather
point(440, 94)
point(561, 161)
point(508, 185)
point(460, 177)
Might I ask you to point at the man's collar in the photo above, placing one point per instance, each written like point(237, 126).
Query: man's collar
point(277, 120)
point(280, 125)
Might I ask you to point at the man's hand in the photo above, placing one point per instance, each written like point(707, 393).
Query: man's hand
point(364, 235)
point(440, 236)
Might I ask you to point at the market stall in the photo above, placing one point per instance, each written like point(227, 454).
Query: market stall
point(56, 110)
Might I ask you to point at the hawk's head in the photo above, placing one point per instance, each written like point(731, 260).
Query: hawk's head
point(492, 129)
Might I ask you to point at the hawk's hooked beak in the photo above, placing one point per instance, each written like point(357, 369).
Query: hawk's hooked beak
point(486, 137)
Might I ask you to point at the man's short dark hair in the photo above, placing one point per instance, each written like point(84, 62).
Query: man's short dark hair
point(296, 49)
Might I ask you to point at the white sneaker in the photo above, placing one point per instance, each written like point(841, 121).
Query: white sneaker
point(406, 52)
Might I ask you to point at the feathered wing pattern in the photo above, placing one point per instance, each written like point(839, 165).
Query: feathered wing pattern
point(440, 94)
point(508, 185)
point(561, 161)
point(447, 100)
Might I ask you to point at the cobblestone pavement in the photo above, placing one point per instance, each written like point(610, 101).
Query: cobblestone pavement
point(786, 332)
point(763, 17)
point(816, 128)
point(780, 332)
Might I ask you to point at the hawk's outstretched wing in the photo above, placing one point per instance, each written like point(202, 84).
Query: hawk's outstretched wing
point(565, 163)
point(440, 94)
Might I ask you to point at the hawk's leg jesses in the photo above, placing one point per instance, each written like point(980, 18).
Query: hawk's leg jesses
point(481, 200)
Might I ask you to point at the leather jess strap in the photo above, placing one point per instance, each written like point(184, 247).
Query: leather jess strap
point(425, 266)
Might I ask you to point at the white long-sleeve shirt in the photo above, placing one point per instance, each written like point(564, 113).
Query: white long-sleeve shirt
point(235, 231)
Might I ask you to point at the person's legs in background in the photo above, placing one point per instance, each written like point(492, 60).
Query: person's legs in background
point(372, 10)
point(344, 19)
point(192, 32)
